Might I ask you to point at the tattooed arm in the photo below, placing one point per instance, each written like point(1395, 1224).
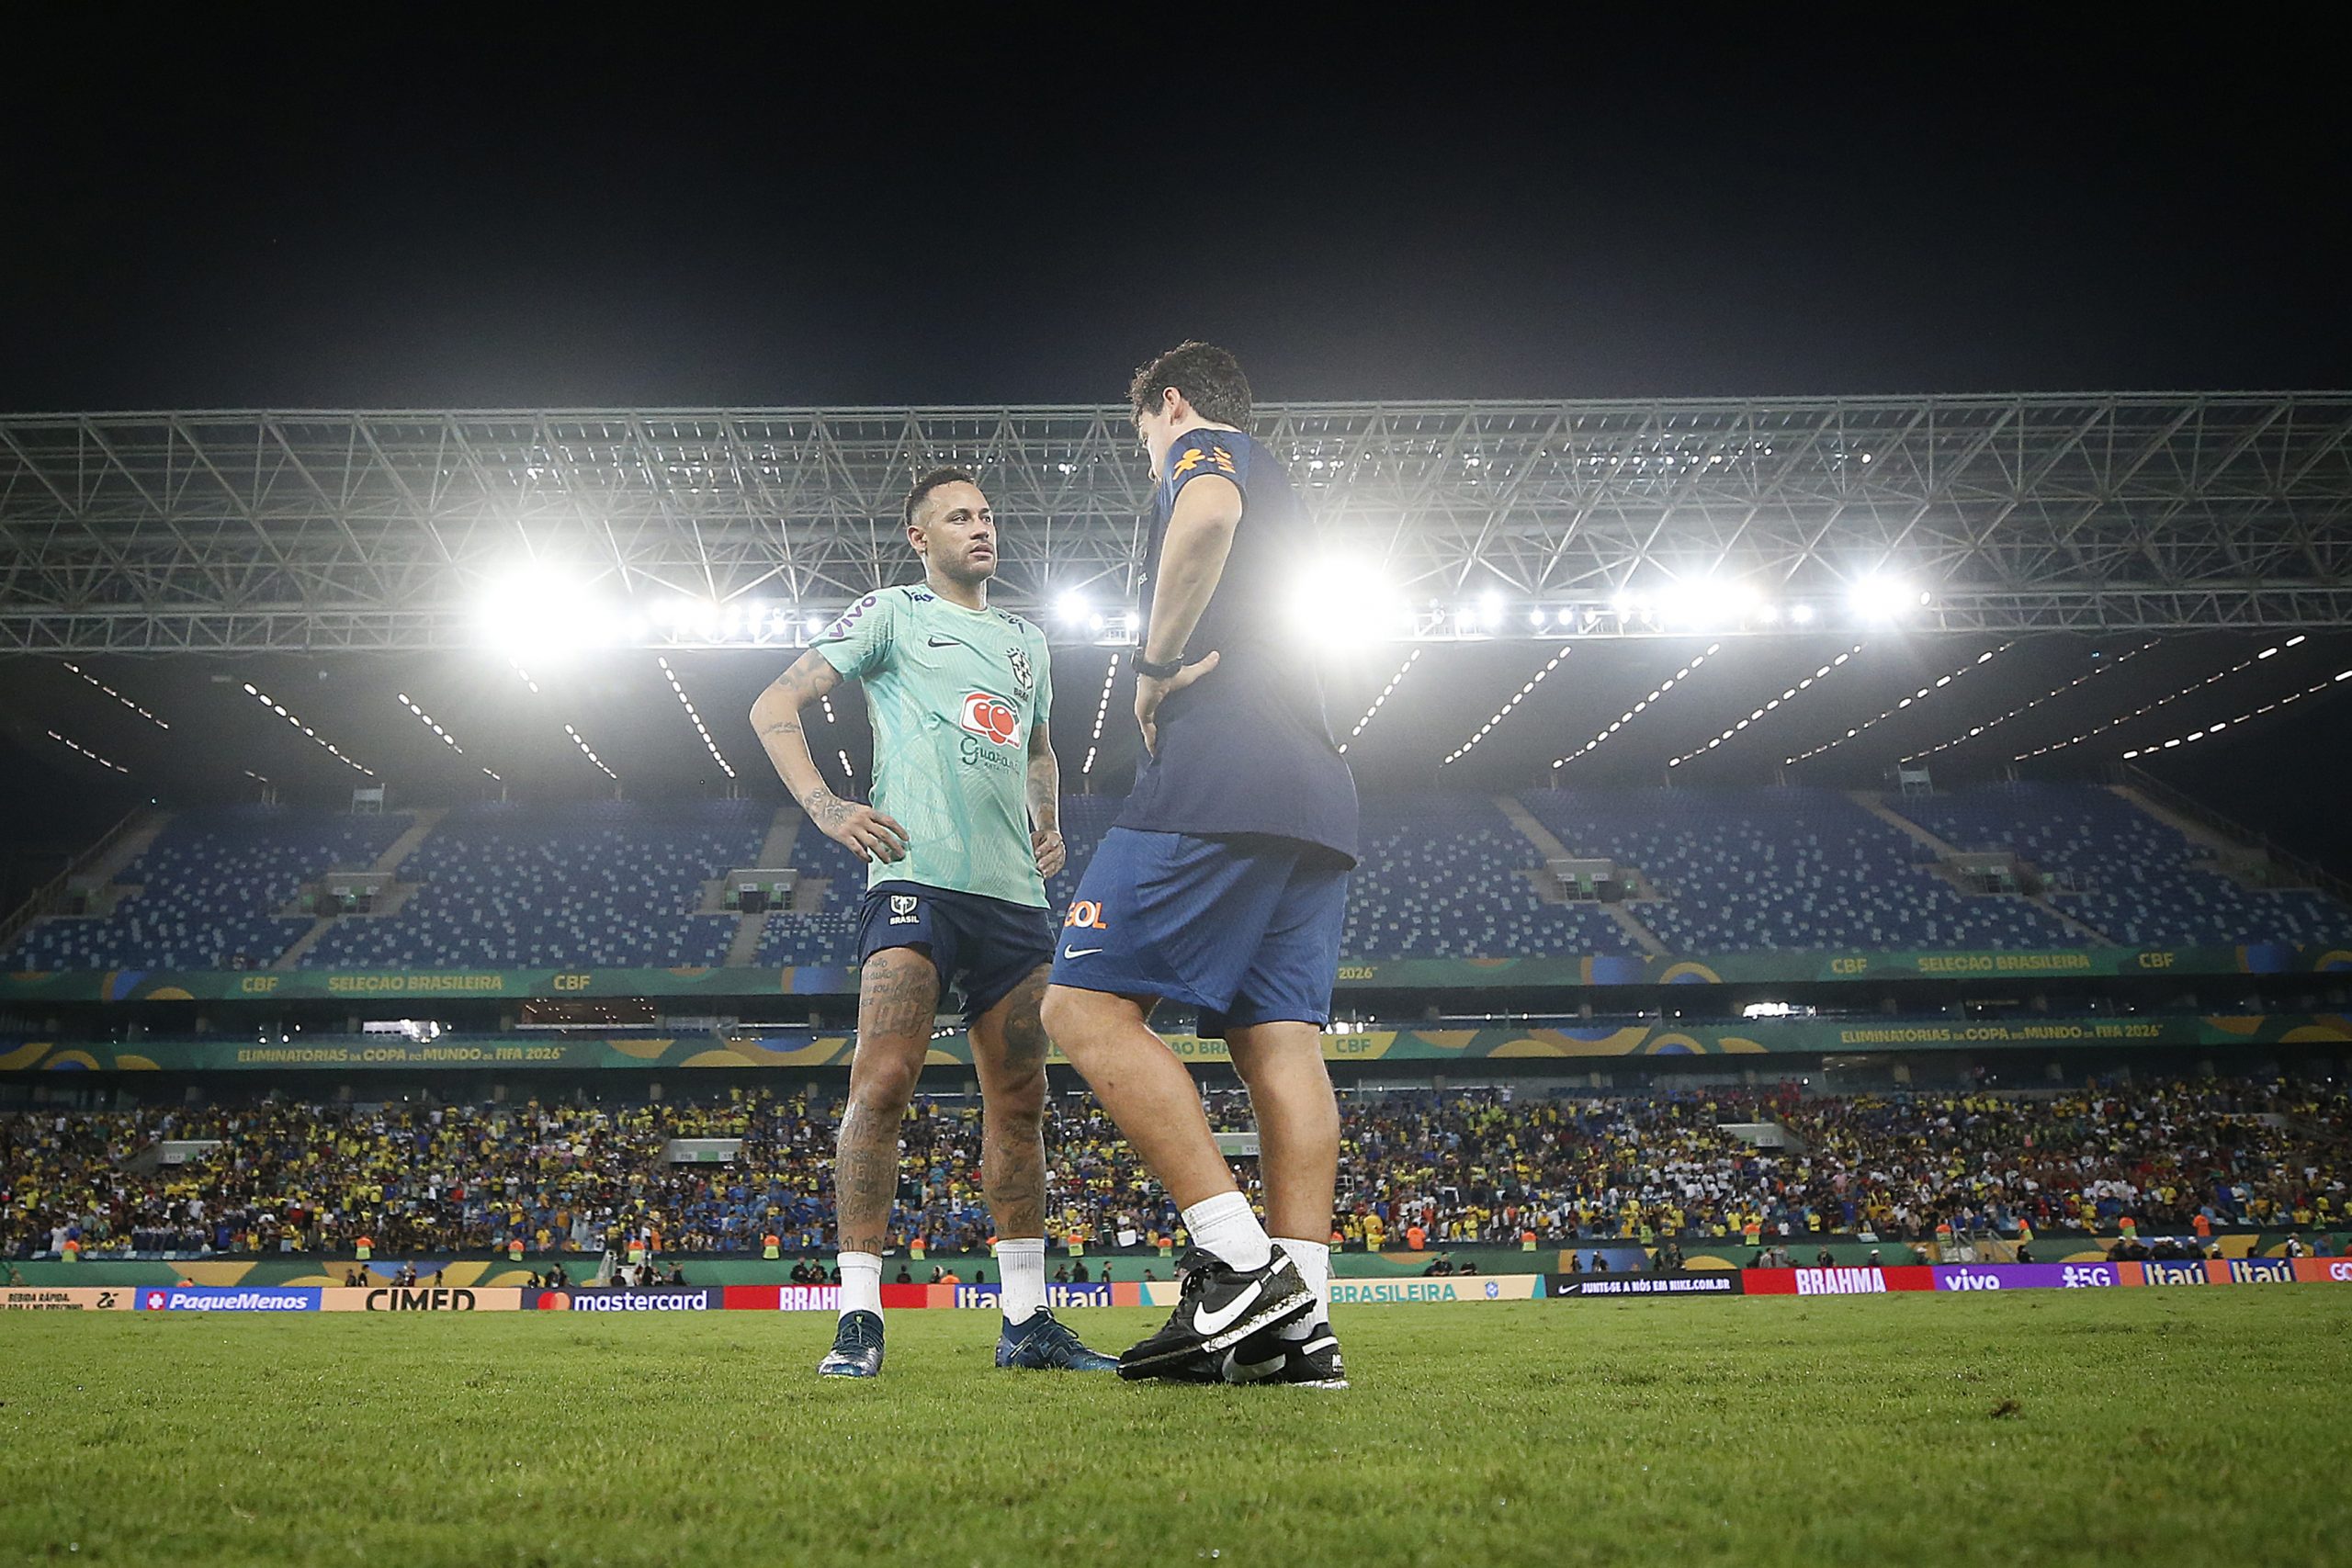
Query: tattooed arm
point(776, 717)
point(1045, 802)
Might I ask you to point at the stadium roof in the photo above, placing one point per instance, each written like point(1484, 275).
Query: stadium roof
point(319, 531)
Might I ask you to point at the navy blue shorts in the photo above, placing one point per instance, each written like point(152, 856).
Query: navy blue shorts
point(1244, 927)
point(982, 947)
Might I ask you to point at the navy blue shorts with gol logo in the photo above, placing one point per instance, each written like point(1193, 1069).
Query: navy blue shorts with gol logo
point(1244, 927)
point(982, 947)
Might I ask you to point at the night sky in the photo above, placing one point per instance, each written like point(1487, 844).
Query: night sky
point(1389, 204)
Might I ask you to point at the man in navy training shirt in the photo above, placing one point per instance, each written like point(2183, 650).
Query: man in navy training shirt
point(1222, 886)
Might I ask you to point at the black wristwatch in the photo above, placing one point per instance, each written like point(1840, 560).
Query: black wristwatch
point(1159, 672)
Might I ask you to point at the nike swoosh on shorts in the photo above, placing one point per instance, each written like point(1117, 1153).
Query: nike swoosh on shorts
point(1079, 952)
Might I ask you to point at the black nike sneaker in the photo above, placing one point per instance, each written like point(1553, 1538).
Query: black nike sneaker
point(858, 1347)
point(1219, 1306)
point(1268, 1357)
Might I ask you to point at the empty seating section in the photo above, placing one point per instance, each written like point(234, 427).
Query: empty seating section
point(210, 886)
point(2138, 884)
point(1781, 868)
point(1444, 876)
point(612, 883)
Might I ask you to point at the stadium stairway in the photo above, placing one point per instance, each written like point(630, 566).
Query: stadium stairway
point(775, 850)
point(421, 823)
point(1548, 845)
point(95, 867)
point(403, 847)
point(1877, 806)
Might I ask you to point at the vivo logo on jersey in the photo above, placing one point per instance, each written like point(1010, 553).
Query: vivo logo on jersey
point(992, 716)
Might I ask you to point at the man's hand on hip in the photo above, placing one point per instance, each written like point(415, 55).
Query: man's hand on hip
point(1150, 694)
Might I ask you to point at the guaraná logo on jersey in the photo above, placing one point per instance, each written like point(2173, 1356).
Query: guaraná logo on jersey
point(985, 713)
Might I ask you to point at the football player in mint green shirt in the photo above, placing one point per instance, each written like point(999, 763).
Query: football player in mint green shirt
point(958, 838)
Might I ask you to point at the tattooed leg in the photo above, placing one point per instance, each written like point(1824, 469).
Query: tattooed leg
point(1008, 1047)
point(897, 996)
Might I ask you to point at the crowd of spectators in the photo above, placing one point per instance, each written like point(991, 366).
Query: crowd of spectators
point(1426, 1169)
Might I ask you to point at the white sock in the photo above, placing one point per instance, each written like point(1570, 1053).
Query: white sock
point(1021, 1262)
point(1223, 1225)
point(860, 1283)
point(1314, 1260)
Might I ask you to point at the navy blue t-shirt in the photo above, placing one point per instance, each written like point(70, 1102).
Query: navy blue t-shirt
point(1247, 747)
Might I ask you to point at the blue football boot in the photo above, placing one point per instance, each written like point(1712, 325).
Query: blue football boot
point(1045, 1344)
point(858, 1347)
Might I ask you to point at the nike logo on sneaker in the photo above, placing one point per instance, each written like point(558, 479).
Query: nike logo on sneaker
point(1207, 1322)
point(1079, 952)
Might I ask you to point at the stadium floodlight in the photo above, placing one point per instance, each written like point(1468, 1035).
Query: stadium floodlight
point(1880, 598)
point(545, 610)
point(1802, 615)
point(1490, 609)
point(1713, 603)
point(1072, 609)
point(1346, 601)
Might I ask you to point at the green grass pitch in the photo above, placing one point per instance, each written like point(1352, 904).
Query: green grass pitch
point(2192, 1426)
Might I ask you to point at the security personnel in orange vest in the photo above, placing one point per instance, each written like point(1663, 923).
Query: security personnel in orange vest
point(1527, 1241)
point(514, 1247)
point(636, 1250)
point(771, 1245)
point(365, 1248)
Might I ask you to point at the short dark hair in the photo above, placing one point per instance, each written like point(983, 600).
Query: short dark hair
point(1206, 376)
point(931, 481)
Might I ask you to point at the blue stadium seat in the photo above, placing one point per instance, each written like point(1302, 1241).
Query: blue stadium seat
point(2138, 884)
point(209, 886)
point(612, 883)
point(1800, 869)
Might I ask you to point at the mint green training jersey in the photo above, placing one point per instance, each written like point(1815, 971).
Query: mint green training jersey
point(954, 694)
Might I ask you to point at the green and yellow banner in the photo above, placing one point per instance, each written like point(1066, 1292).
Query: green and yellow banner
point(1771, 1037)
point(372, 985)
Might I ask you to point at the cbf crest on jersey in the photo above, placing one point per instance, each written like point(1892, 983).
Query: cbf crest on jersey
point(1023, 680)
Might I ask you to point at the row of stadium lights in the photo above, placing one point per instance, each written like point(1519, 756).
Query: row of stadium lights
point(118, 696)
point(2055, 691)
point(1386, 691)
point(2221, 724)
point(680, 692)
point(1920, 695)
point(447, 738)
point(280, 709)
point(2190, 689)
point(85, 750)
point(1789, 695)
point(1627, 717)
point(1102, 710)
point(1500, 713)
point(590, 753)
